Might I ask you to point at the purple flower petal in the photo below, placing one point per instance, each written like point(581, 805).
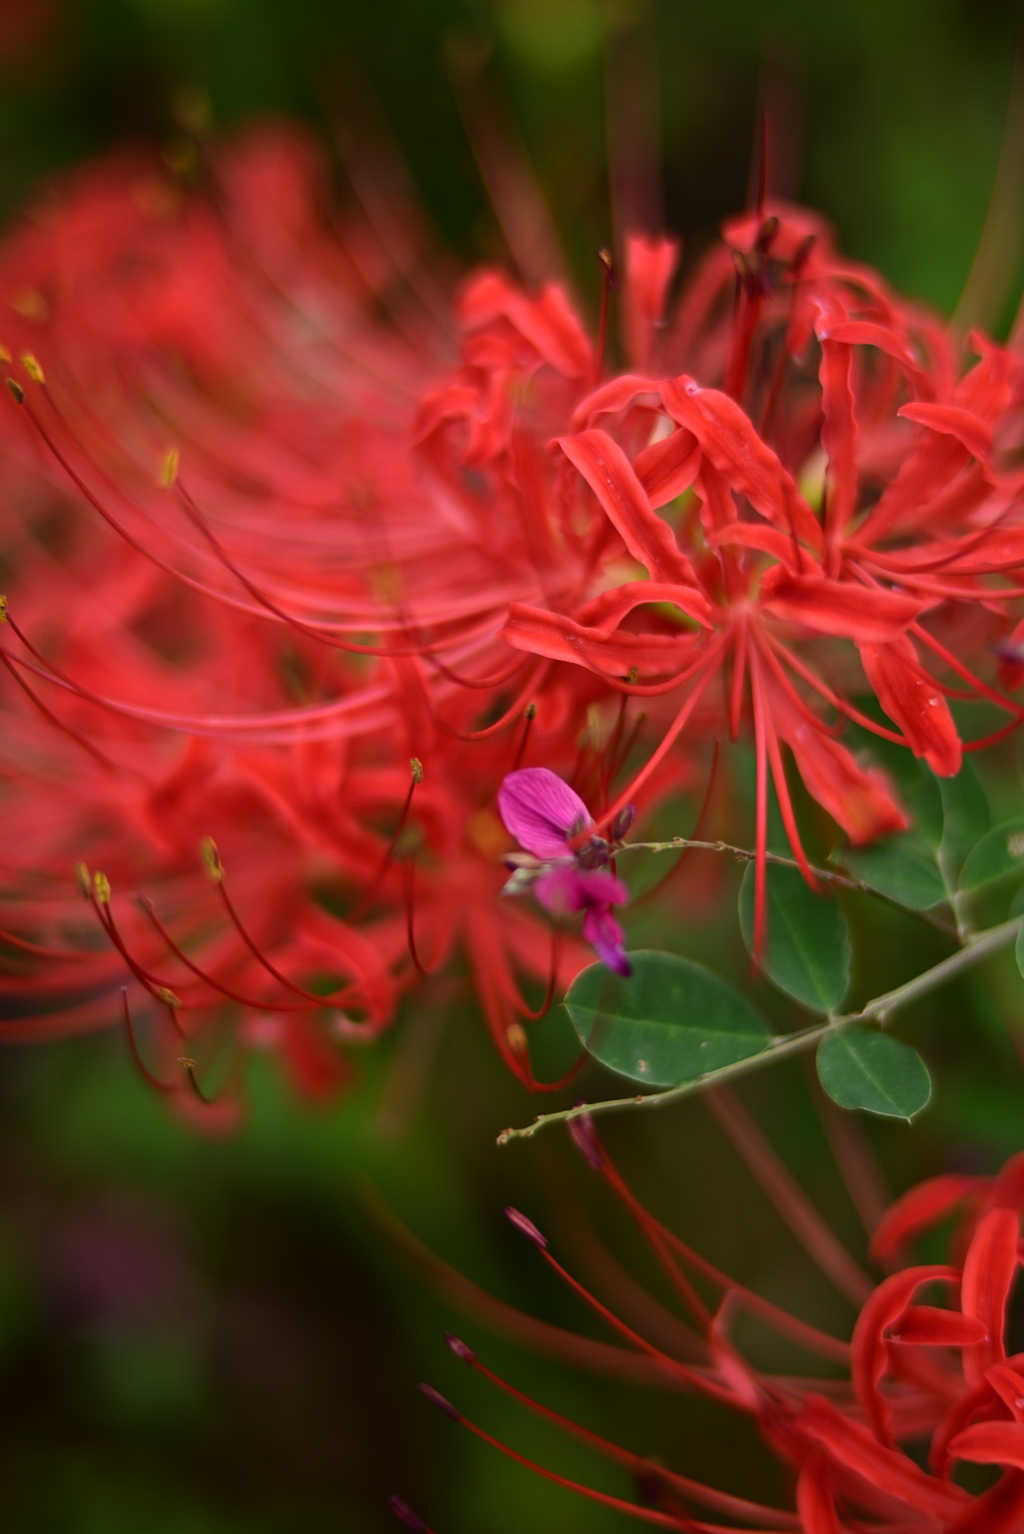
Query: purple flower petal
point(541, 811)
point(570, 889)
point(607, 938)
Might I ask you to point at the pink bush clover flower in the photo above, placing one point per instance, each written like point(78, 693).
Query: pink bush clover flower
point(546, 816)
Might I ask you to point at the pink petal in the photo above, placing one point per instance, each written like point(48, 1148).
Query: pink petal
point(541, 811)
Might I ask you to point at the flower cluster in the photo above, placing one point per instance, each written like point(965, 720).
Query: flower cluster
point(279, 522)
point(927, 1363)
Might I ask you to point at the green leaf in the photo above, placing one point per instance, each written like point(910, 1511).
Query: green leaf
point(862, 1069)
point(901, 867)
point(1018, 950)
point(670, 1021)
point(925, 805)
point(807, 952)
point(965, 815)
point(1000, 851)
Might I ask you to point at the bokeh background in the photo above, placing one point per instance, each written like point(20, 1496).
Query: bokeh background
point(225, 1338)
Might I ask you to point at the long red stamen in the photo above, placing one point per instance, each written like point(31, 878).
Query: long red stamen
point(75, 956)
point(319, 634)
point(778, 772)
point(739, 665)
point(149, 982)
point(309, 631)
point(58, 724)
point(146, 906)
point(261, 958)
point(409, 884)
point(549, 994)
point(990, 740)
point(968, 676)
point(806, 674)
point(144, 1071)
point(529, 715)
point(718, 1501)
point(809, 1336)
point(416, 769)
point(604, 255)
point(771, 650)
point(511, 714)
point(631, 1509)
point(760, 820)
point(699, 1381)
point(711, 662)
point(803, 1219)
point(695, 832)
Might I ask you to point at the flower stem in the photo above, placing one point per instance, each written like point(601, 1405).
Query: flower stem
point(880, 1009)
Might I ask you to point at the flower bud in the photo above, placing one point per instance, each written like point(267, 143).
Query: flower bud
point(622, 822)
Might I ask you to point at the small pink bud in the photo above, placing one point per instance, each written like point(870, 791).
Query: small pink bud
point(526, 1227)
point(439, 1401)
point(459, 1348)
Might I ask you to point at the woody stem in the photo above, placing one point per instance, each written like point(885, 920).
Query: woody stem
point(976, 948)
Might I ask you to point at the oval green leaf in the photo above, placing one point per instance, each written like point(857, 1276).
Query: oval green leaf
point(901, 868)
point(1000, 851)
point(807, 952)
point(860, 1068)
point(670, 1021)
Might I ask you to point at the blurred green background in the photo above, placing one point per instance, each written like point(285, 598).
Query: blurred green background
point(222, 1337)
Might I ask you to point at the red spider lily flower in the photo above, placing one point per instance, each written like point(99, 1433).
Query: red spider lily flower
point(268, 544)
point(917, 1369)
point(547, 817)
point(761, 573)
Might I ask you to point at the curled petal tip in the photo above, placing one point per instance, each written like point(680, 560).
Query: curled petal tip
point(525, 1227)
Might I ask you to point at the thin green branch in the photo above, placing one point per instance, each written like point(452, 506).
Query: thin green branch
point(827, 875)
point(976, 948)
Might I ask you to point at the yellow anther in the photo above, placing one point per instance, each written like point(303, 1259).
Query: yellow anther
point(30, 362)
point(16, 389)
point(101, 888)
point(530, 711)
point(84, 878)
point(3, 608)
point(5, 356)
point(416, 768)
point(169, 469)
point(187, 1061)
point(211, 857)
point(167, 996)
